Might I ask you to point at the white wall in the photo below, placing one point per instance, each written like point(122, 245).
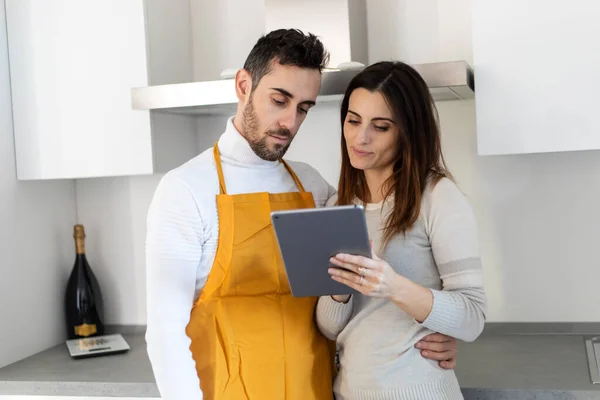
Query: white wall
point(113, 210)
point(36, 244)
point(537, 213)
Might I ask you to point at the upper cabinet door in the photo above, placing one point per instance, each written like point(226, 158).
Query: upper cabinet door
point(537, 75)
point(73, 64)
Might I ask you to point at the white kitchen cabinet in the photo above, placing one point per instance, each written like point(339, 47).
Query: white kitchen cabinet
point(73, 64)
point(537, 75)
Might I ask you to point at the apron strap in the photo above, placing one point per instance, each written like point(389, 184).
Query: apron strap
point(219, 168)
point(222, 187)
point(293, 174)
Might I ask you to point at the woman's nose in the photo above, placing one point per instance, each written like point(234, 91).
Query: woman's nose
point(363, 135)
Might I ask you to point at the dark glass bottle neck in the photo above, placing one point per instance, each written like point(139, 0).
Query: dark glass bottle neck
point(81, 261)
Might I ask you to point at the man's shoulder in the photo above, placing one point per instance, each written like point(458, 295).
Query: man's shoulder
point(332, 201)
point(313, 181)
point(305, 169)
point(198, 174)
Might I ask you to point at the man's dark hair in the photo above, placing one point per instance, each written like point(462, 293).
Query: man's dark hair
point(287, 47)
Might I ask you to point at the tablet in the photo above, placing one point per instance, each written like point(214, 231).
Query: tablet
point(309, 237)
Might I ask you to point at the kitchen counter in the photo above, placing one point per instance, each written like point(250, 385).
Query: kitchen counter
point(54, 373)
point(497, 366)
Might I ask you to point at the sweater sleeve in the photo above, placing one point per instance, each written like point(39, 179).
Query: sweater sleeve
point(459, 309)
point(332, 316)
point(173, 247)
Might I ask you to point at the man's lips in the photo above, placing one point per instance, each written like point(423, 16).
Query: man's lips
point(284, 139)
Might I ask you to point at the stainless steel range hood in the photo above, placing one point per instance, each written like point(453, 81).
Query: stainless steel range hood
point(446, 80)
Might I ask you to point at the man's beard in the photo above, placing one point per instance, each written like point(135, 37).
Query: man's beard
point(258, 143)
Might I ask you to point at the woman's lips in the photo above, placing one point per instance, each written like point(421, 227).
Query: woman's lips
point(361, 153)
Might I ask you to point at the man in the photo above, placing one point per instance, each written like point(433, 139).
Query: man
point(221, 320)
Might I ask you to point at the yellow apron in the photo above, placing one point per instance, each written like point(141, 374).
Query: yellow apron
point(251, 339)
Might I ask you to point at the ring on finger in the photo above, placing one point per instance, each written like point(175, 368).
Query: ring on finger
point(361, 271)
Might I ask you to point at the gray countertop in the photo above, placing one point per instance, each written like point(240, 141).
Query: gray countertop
point(54, 373)
point(495, 367)
point(498, 367)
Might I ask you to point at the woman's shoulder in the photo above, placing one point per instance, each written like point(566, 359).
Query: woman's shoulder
point(442, 187)
point(444, 196)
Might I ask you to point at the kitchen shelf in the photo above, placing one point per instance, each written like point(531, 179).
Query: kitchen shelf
point(446, 80)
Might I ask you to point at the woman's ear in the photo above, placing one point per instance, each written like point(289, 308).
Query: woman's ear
point(243, 85)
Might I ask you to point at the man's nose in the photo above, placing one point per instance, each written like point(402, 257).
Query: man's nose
point(289, 119)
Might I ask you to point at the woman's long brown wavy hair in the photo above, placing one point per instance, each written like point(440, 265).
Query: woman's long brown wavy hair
point(419, 159)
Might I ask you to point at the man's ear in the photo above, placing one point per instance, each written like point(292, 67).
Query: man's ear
point(243, 85)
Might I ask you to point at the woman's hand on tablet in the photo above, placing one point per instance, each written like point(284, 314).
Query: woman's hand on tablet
point(376, 278)
point(369, 276)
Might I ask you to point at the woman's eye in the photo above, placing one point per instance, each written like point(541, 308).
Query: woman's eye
point(381, 128)
point(279, 103)
point(353, 122)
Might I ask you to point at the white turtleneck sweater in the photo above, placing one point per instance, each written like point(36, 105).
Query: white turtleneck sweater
point(182, 232)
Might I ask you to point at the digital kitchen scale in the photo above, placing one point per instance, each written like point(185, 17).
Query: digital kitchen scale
point(97, 346)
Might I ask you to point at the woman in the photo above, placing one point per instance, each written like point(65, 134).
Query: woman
point(425, 275)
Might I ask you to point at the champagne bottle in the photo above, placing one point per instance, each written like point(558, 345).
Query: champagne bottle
point(83, 299)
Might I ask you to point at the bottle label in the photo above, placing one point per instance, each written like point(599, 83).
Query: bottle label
point(85, 329)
